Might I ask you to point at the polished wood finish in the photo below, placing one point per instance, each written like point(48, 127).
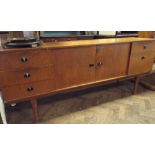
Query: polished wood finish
point(35, 110)
point(82, 43)
point(9, 78)
point(142, 57)
point(74, 66)
point(112, 61)
point(29, 59)
point(27, 90)
point(137, 80)
point(146, 80)
point(26, 74)
point(79, 43)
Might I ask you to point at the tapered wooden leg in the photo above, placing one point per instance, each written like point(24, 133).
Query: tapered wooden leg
point(137, 79)
point(118, 82)
point(35, 110)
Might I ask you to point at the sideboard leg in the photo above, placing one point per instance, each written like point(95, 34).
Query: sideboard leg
point(35, 110)
point(2, 110)
point(137, 79)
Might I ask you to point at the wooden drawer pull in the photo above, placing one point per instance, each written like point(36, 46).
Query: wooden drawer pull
point(29, 89)
point(24, 59)
point(27, 75)
point(91, 65)
point(143, 58)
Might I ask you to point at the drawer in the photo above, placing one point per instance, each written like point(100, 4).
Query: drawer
point(147, 46)
point(20, 92)
point(141, 59)
point(9, 78)
point(24, 59)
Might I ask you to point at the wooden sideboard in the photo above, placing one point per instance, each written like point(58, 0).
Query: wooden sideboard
point(30, 73)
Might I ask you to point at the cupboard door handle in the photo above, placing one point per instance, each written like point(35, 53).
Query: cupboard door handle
point(24, 59)
point(99, 64)
point(91, 65)
point(29, 89)
point(143, 58)
point(27, 75)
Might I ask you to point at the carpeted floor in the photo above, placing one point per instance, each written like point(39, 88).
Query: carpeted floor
point(112, 103)
point(149, 81)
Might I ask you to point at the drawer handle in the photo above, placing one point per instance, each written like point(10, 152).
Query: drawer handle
point(142, 58)
point(29, 89)
point(24, 59)
point(91, 65)
point(27, 75)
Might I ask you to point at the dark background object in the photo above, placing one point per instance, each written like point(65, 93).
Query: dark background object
point(22, 43)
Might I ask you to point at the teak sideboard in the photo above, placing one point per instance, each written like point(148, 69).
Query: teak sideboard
point(30, 73)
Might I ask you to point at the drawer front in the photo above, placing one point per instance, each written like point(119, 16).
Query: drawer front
point(9, 78)
point(20, 92)
point(144, 46)
point(142, 58)
point(24, 59)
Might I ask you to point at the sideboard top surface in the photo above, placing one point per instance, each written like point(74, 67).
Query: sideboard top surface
point(77, 43)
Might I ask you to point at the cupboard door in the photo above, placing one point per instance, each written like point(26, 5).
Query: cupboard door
point(112, 61)
point(142, 57)
point(74, 66)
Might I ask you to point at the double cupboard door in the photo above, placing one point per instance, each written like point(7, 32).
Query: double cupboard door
point(83, 65)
